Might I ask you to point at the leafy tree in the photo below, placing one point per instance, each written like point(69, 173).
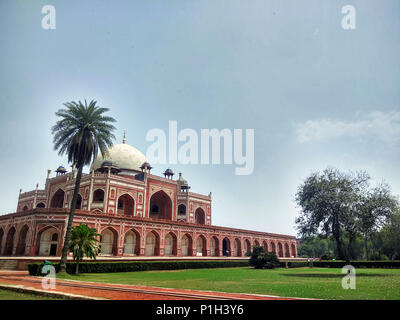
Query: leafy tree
point(313, 247)
point(81, 132)
point(260, 259)
point(328, 203)
point(83, 242)
point(390, 234)
point(376, 207)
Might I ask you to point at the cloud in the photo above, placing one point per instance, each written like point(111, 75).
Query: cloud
point(382, 126)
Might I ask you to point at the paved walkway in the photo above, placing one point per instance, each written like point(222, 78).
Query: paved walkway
point(120, 291)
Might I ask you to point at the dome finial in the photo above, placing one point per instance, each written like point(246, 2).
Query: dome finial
point(124, 139)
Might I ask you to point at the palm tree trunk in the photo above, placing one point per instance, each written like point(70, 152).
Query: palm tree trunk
point(63, 262)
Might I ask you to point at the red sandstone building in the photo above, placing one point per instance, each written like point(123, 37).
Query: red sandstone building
point(136, 213)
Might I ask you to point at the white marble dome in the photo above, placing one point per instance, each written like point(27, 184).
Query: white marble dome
point(123, 155)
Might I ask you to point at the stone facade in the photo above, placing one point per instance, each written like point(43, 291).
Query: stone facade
point(136, 213)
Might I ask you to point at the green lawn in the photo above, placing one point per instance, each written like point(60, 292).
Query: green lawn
point(323, 283)
point(13, 295)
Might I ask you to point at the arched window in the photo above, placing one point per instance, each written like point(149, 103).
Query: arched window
point(126, 205)
point(200, 216)
point(40, 205)
point(160, 206)
point(182, 209)
point(98, 195)
point(58, 199)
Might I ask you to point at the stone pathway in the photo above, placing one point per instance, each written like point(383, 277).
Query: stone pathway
point(120, 291)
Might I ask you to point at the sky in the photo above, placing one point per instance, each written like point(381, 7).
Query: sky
point(317, 95)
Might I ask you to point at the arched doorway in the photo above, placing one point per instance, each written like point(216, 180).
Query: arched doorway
point(8, 250)
point(126, 205)
point(247, 246)
point(237, 248)
point(186, 245)
point(214, 247)
point(1, 240)
point(108, 242)
point(280, 250)
point(40, 205)
point(273, 247)
point(287, 252)
point(132, 243)
point(160, 206)
point(256, 243)
point(58, 199)
point(48, 244)
point(22, 241)
point(226, 247)
point(265, 245)
point(200, 216)
point(294, 254)
point(152, 244)
point(170, 245)
point(201, 246)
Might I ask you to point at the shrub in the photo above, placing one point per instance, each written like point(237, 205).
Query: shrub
point(358, 264)
point(260, 259)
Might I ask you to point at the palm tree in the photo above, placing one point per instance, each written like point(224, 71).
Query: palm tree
point(83, 243)
point(81, 132)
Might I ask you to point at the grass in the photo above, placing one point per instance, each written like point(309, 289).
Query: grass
point(13, 295)
point(322, 283)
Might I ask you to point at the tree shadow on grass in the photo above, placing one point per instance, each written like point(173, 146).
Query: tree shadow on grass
point(330, 275)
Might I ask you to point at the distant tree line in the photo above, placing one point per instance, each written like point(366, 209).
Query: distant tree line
point(343, 217)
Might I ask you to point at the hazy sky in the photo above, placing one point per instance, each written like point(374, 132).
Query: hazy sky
point(315, 94)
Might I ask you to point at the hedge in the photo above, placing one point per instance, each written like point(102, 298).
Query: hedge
point(131, 266)
point(340, 264)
